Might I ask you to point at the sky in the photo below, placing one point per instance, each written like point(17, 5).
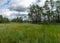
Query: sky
point(11, 8)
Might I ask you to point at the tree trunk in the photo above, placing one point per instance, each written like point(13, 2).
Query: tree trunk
point(48, 19)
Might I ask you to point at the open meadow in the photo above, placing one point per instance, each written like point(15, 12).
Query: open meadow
point(29, 33)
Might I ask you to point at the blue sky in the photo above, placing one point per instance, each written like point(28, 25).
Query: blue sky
point(9, 7)
point(4, 3)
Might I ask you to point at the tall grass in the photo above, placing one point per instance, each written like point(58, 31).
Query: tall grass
point(29, 33)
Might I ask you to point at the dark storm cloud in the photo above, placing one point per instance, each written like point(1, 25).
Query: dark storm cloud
point(18, 8)
point(17, 14)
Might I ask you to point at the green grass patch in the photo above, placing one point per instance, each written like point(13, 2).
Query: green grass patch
point(29, 33)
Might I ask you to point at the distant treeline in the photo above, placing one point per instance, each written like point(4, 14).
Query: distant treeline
point(6, 20)
point(3, 19)
point(49, 13)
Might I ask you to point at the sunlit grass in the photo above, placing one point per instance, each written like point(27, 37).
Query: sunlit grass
point(29, 33)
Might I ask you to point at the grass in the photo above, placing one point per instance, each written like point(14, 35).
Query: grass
point(29, 33)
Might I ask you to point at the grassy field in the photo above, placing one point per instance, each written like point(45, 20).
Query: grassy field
point(29, 33)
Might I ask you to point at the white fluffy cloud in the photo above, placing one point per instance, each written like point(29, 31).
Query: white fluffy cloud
point(21, 4)
point(24, 3)
point(17, 7)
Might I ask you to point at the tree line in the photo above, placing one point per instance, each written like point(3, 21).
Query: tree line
point(50, 12)
point(6, 20)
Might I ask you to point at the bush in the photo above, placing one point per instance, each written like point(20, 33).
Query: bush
point(18, 19)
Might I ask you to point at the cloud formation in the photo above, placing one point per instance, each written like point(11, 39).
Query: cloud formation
point(16, 7)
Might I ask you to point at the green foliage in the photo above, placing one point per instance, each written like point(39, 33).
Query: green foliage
point(35, 13)
point(18, 19)
point(3, 19)
point(58, 13)
point(29, 33)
